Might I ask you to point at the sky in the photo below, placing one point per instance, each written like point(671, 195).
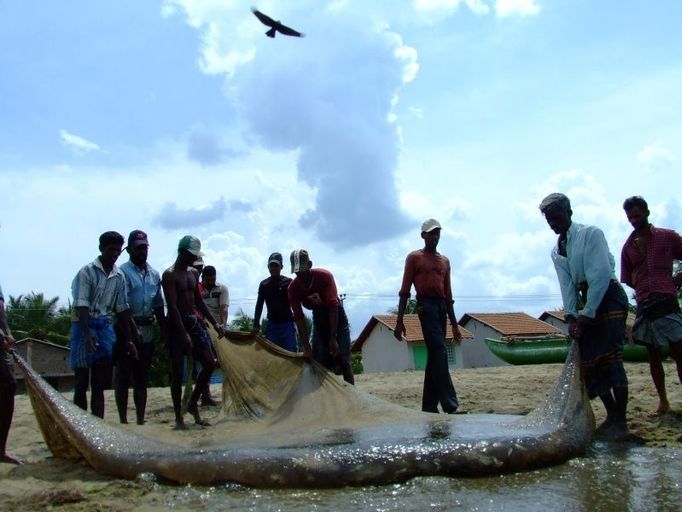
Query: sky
point(181, 117)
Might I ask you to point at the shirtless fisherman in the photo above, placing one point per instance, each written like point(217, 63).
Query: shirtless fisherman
point(186, 334)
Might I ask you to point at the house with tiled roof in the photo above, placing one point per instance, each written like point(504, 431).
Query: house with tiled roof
point(381, 352)
point(498, 326)
point(555, 318)
point(50, 360)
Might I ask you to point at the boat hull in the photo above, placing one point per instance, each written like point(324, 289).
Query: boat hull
point(551, 351)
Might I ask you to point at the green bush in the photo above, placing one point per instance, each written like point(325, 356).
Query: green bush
point(356, 363)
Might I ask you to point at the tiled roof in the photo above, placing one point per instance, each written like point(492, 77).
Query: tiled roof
point(559, 315)
point(412, 327)
point(512, 324)
point(41, 342)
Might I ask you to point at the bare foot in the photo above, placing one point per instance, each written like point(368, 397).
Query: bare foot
point(619, 432)
point(194, 411)
point(663, 407)
point(8, 459)
point(209, 402)
point(602, 429)
point(180, 425)
point(631, 437)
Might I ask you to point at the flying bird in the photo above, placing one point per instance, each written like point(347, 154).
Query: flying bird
point(275, 26)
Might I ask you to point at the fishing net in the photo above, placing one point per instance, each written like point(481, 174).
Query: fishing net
point(288, 422)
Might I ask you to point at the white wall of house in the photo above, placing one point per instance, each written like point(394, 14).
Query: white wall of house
point(381, 352)
point(475, 353)
point(559, 324)
point(456, 353)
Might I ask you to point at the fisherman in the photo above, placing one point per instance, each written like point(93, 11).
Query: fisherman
point(595, 307)
point(217, 300)
point(647, 266)
point(186, 334)
point(143, 287)
point(198, 265)
point(429, 272)
point(99, 297)
point(8, 385)
point(315, 289)
point(273, 291)
point(215, 294)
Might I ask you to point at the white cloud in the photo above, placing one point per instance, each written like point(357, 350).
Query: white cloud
point(504, 8)
point(408, 55)
point(523, 249)
point(76, 143)
point(256, 215)
point(216, 55)
point(655, 156)
point(173, 217)
point(314, 133)
point(668, 214)
point(476, 6)
point(417, 112)
point(227, 32)
point(208, 147)
point(329, 98)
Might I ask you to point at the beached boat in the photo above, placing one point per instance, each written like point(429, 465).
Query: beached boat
point(548, 350)
point(290, 423)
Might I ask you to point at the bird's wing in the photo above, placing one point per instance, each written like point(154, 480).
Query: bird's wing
point(288, 31)
point(264, 18)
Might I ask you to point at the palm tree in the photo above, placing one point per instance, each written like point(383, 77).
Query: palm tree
point(242, 322)
point(37, 316)
point(410, 308)
point(62, 320)
point(32, 311)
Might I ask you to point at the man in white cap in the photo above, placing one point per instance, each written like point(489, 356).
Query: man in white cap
point(429, 272)
point(186, 334)
point(595, 307)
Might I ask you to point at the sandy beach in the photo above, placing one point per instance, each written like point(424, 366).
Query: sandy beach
point(45, 482)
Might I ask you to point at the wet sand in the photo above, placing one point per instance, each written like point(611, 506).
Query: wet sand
point(45, 482)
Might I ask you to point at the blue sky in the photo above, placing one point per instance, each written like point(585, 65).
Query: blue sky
point(181, 117)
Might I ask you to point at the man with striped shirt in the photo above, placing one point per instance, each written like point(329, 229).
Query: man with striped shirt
point(647, 266)
point(99, 298)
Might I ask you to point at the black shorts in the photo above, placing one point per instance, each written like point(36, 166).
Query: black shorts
point(201, 340)
point(6, 374)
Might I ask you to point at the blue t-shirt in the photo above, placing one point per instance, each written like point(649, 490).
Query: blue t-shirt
point(143, 288)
